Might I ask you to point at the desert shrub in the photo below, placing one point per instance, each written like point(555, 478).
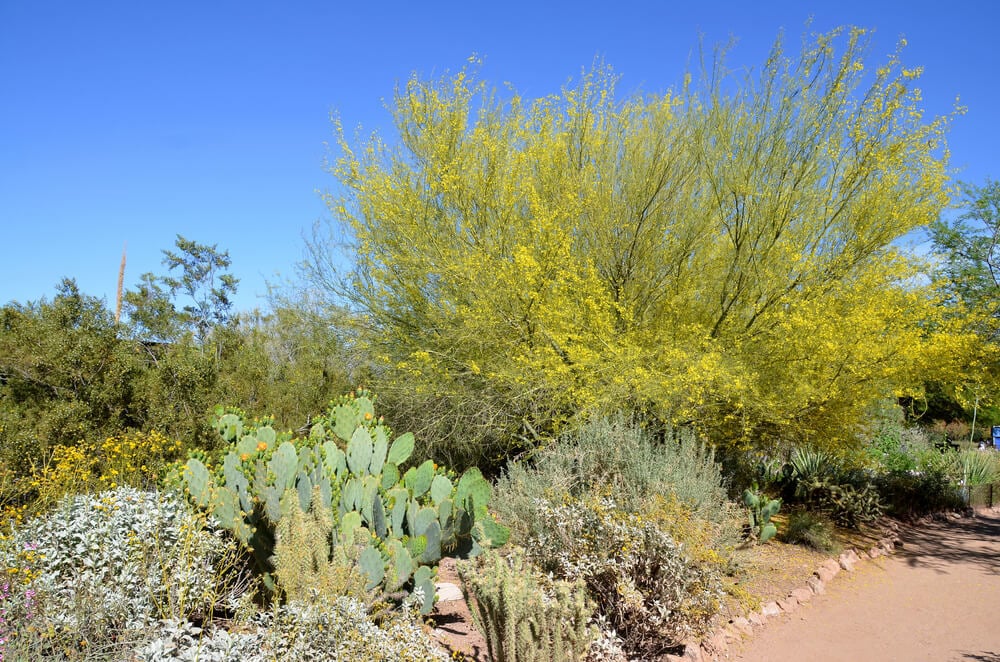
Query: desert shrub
point(525, 615)
point(338, 630)
point(645, 585)
point(915, 493)
point(101, 568)
point(130, 458)
point(811, 529)
point(615, 457)
point(819, 482)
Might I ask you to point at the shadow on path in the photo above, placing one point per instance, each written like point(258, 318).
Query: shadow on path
point(968, 541)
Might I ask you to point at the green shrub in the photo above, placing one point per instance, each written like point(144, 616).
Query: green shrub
point(811, 529)
point(524, 615)
point(916, 493)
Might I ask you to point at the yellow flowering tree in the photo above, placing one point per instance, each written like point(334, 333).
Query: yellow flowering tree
point(721, 255)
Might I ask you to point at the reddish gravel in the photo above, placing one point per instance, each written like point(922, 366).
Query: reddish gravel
point(937, 599)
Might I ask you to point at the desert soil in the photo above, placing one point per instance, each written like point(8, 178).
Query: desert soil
point(937, 599)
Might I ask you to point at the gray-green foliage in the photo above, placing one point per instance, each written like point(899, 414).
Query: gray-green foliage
point(338, 630)
point(616, 456)
point(524, 615)
point(646, 586)
point(115, 563)
point(402, 520)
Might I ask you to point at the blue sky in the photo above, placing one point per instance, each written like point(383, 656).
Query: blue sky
point(135, 121)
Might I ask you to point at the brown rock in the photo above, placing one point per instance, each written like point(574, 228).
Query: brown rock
point(825, 574)
point(742, 625)
point(692, 652)
point(816, 584)
point(832, 565)
point(770, 610)
point(716, 644)
point(789, 604)
point(757, 619)
point(732, 634)
point(846, 562)
point(802, 595)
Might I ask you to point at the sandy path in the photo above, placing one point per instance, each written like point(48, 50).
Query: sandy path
point(936, 600)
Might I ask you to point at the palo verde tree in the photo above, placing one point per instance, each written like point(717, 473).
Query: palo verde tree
point(721, 255)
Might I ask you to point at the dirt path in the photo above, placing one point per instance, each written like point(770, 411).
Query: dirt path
point(936, 600)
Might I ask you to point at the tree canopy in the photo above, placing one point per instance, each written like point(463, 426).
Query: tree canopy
point(722, 255)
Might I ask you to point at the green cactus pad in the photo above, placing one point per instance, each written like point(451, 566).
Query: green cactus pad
point(379, 451)
point(283, 464)
point(349, 524)
point(317, 432)
point(272, 503)
point(366, 408)
point(379, 525)
point(432, 553)
point(390, 476)
point(400, 566)
point(229, 426)
point(474, 491)
point(303, 486)
point(490, 533)
point(422, 520)
point(359, 451)
point(345, 420)
point(440, 489)
point(401, 449)
point(350, 494)
point(247, 445)
point(334, 458)
point(398, 499)
point(267, 435)
point(420, 479)
point(198, 482)
point(372, 565)
point(446, 511)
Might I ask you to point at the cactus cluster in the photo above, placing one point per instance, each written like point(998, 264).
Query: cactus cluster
point(403, 519)
point(760, 509)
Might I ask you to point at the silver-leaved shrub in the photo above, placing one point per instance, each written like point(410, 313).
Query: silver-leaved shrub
point(108, 566)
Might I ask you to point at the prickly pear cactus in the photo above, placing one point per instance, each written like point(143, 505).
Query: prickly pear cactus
point(404, 517)
point(760, 509)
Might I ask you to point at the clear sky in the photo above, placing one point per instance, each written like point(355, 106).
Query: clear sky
point(135, 121)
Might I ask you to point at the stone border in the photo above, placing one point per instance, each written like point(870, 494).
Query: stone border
point(716, 646)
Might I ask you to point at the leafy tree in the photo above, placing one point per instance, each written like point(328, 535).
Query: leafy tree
point(969, 249)
point(204, 285)
point(722, 255)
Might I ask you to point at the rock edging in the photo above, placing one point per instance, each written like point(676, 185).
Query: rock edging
point(717, 645)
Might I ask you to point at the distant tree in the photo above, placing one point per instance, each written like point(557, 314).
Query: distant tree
point(722, 256)
point(969, 248)
point(195, 296)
